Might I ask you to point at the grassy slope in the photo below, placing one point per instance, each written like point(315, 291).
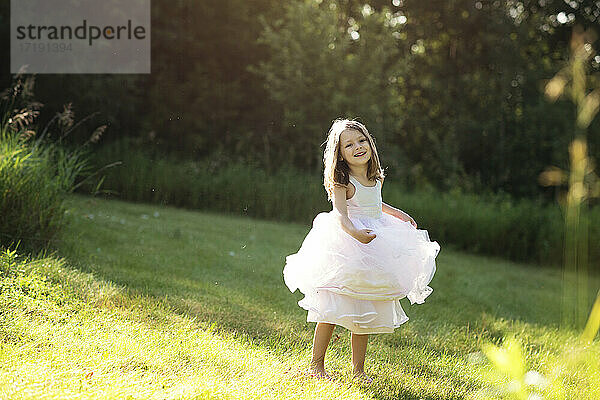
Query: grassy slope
point(167, 303)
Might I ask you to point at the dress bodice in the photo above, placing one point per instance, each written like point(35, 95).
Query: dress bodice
point(366, 200)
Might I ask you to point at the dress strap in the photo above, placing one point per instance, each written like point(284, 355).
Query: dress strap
point(356, 181)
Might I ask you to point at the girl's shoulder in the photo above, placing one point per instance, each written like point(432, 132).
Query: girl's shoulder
point(349, 188)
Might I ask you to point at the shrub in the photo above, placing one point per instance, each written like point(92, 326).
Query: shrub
point(35, 173)
point(34, 181)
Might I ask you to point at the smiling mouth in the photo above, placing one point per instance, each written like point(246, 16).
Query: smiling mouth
point(360, 154)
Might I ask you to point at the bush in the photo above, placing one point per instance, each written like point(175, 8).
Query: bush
point(36, 174)
point(33, 184)
point(523, 230)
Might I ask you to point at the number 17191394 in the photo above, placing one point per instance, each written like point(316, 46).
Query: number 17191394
point(45, 47)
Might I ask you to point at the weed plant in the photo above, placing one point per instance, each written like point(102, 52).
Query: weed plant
point(33, 184)
point(36, 172)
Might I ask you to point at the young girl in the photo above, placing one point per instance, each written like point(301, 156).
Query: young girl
point(359, 259)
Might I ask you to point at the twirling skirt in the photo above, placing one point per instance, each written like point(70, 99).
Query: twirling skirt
point(356, 285)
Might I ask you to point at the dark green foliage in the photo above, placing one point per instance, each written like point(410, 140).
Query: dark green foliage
point(517, 230)
point(452, 93)
point(452, 89)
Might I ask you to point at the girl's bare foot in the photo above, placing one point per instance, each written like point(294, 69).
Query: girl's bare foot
point(320, 373)
point(362, 377)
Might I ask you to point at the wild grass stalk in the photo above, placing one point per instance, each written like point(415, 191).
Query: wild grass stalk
point(510, 359)
point(573, 81)
point(36, 174)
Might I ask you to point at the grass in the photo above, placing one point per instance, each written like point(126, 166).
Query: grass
point(157, 302)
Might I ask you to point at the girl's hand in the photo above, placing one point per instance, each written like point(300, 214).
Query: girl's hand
point(365, 235)
point(412, 221)
point(406, 218)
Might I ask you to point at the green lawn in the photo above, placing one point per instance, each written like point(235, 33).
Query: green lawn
point(155, 302)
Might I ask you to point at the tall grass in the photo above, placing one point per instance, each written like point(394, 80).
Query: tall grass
point(211, 184)
point(36, 174)
point(523, 230)
point(34, 181)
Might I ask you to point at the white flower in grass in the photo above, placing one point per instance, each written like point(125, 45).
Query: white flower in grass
point(156, 214)
point(232, 253)
point(534, 378)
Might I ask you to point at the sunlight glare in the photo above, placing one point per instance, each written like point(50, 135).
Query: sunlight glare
point(562, 17)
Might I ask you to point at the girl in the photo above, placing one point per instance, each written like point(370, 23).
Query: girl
point(360, 258)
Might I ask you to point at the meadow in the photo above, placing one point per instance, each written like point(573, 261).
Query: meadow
point(147, 301)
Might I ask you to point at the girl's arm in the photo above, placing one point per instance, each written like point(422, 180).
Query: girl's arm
point(339, 202)
point(394, 212)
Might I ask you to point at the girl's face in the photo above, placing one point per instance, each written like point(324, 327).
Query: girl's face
point(354, 147)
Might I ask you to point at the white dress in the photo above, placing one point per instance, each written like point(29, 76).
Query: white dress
point(356, 285)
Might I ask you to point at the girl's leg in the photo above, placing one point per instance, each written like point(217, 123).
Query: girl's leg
point(323, 333)
point(359, 349)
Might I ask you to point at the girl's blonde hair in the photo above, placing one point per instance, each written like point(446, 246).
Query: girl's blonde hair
point(337, 172)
